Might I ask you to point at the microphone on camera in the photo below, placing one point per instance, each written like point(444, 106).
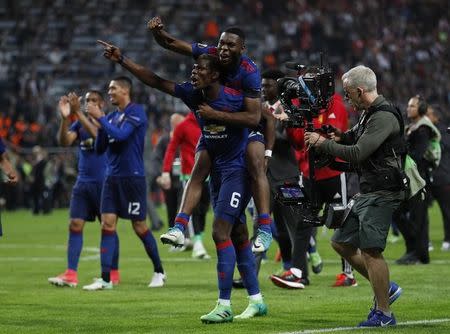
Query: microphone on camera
point(292, 65)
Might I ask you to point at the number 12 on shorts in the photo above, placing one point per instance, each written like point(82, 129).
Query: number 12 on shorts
point(235, 198)
point(133, 208)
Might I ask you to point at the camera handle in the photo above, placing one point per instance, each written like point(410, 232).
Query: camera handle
point(311, 162)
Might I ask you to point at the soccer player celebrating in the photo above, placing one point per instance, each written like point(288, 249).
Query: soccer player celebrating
point(85, 200)
point(240, 73)
point(229, 179)
point(121, 134)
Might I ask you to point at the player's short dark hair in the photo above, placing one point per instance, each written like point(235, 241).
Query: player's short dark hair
point(213, 62)
point(236, 31)
point(124, 82)
point(422, 105)
point(272, 74)
point(99, 93)
point(436, 110)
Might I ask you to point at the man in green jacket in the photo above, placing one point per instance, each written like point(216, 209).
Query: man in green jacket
point(370, 148)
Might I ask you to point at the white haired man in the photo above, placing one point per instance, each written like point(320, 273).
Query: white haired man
point(374, 147)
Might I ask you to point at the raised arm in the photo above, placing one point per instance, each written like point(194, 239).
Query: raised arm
point(144, 74)
point(65, 136)
point(75, 107)
point(166, 40)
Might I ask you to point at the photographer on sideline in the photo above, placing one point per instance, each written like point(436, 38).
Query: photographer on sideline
point(369, 146)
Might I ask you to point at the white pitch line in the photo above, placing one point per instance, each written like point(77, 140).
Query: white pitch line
point(340, 329)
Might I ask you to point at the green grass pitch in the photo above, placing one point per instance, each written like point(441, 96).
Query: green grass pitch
point(33, 249)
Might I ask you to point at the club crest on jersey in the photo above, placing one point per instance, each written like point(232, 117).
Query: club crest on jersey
point(214, 129)
point(87, 144)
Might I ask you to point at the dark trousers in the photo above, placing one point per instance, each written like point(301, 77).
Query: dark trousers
point(173, 198)
point(442, 196)
point(412, 221)
point(42, 201)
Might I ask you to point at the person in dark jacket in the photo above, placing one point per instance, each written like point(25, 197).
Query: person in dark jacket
point(440, 185)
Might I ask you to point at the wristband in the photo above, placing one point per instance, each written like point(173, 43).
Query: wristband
point(268, 153)
point(120, 60)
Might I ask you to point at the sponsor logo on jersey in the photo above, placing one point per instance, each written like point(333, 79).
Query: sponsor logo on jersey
point(214, 129)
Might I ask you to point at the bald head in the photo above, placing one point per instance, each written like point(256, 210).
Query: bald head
point(175, 119)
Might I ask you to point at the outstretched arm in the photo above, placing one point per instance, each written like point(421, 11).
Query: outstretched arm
point(166, 40)
point(249, 117)
point(144, 74)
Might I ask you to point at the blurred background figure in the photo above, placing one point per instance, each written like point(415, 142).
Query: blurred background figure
point(440, 185)
point(41, 181)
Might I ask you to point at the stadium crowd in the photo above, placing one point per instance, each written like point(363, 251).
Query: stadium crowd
point(47, 50)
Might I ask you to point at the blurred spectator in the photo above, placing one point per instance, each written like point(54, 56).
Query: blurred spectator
point(40, 187)
point(440, 185)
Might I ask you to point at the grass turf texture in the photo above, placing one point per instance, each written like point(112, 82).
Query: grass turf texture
point(33, 249)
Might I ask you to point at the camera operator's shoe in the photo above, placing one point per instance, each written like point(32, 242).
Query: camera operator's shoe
point(221, 313)
point(316, 262)
point(68, 278)
point(291, 279)
point(379, 319)
point(343, 280)
point(254, 309)
point(395, 291)
point(262, 241)
point(174, 237)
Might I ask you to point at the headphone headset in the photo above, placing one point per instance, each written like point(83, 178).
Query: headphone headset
point(422, 105)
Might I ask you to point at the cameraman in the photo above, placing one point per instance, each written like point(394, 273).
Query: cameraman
point(369, 146)
point(330, 186)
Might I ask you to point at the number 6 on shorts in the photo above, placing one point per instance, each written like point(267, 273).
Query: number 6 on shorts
point(235, 197)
